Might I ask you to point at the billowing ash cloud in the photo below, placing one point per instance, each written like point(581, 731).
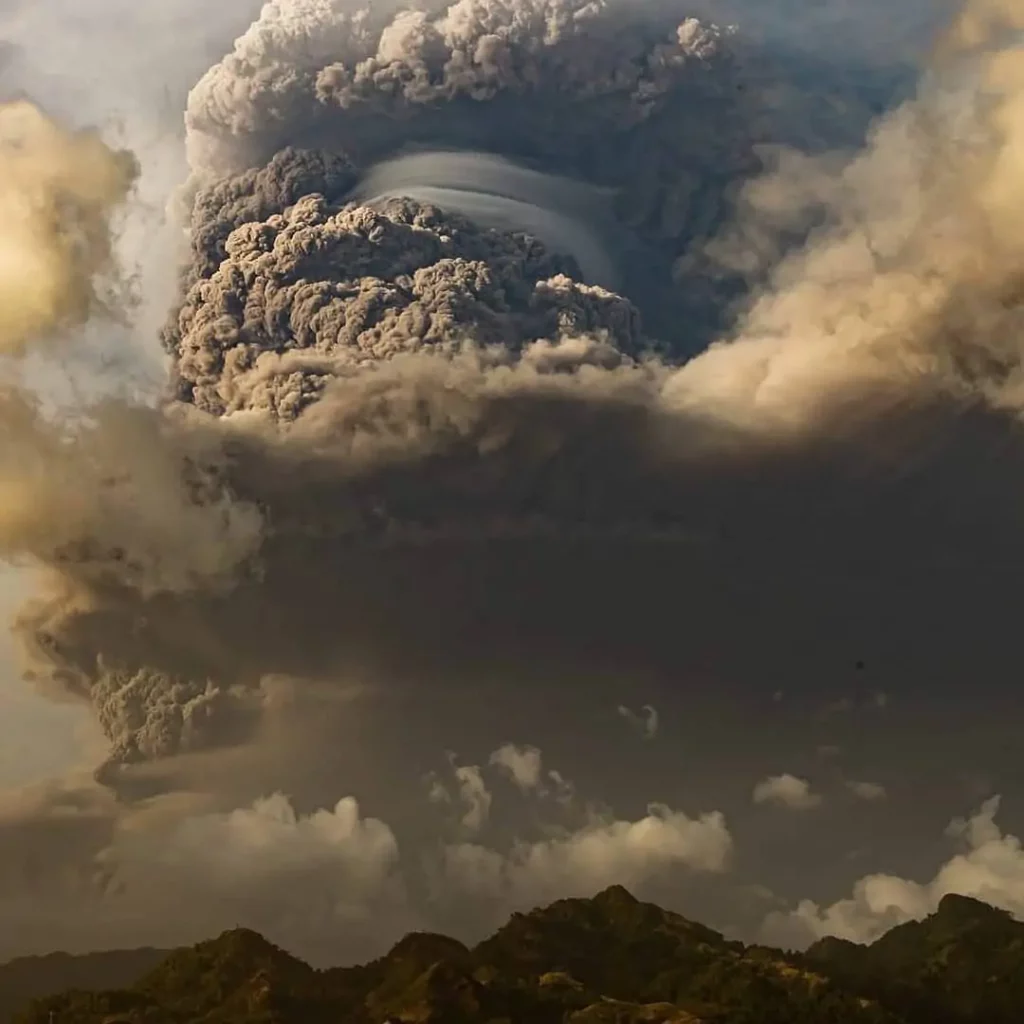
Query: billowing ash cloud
point(117, 494)
point(310, 66)
point(411, 451)
point(102, 496)
point(454, 444)
point(148, 715)
point(660, 108)
point(331, 287)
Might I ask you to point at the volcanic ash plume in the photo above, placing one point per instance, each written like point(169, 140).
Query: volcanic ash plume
point(475, 469)
point(308, 68)
point(104, 495)
point(661, 111)
point(115, 492)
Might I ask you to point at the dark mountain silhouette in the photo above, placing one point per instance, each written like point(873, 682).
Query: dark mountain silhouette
point(607, 960)
point(32, 977)
point(962, 965)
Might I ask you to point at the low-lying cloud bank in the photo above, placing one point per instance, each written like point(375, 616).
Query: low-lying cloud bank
point(990, 868)
point(332, 883)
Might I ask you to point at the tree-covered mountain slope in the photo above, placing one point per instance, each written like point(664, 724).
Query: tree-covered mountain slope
point(607, 960)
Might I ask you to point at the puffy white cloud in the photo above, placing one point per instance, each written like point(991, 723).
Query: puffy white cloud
point(569, 849)
point(990, 868)
point(525, 767)
point(563, 791)
point(787, 791)
point(81, 871)
point(603, 852)
point(866, 790)
point(437, 792)
point(475, 796)
point(471, 793)
point(522, 764)
point(270, 840)
point(298, 876)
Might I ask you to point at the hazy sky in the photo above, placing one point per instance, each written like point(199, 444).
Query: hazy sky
point(838, 746)
point(38, 737)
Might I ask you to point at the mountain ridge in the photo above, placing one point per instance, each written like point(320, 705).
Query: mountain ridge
point(609, 959)
point(33, 977)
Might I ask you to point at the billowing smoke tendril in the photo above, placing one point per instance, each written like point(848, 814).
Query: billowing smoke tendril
point(425, 450)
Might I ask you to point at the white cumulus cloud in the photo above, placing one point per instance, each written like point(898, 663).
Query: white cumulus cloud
point(866, 790)
point(522, 764)
point(603, 852)
point(990, 867)
point(787, 791)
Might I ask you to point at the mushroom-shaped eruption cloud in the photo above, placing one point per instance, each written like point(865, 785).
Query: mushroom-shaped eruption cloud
point(478, 466)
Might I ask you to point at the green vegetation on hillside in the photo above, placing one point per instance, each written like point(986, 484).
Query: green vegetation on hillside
point(963, 965)
point(606, 960)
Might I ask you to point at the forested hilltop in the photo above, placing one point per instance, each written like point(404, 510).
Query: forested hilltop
point(607, 960)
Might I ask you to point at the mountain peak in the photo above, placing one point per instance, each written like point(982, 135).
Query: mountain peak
point(616, 896)
point(955, 905)
point(244, 944)
point(234, 958)
point(427, 947)
point(243, 938)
